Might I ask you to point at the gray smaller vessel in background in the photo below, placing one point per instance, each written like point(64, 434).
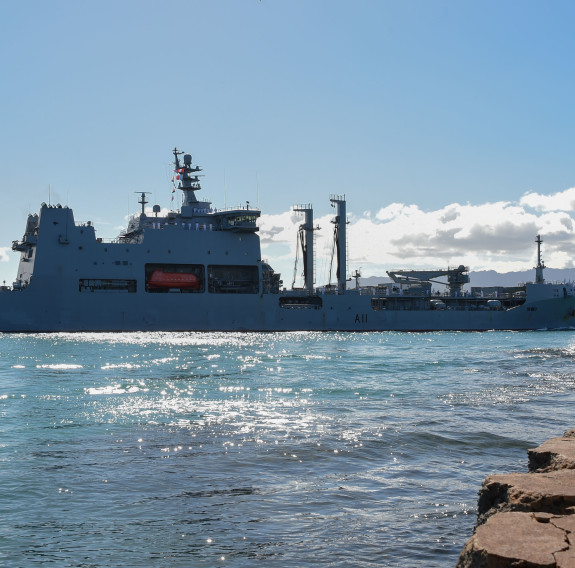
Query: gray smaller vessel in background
point(199, 268)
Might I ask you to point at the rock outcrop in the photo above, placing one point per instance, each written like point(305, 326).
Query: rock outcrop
point(554, 454)
point(528, 520)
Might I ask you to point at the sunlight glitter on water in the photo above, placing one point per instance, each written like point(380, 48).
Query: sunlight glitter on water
point(114, 389)
point(110, 366)
point(315, 448)
point(59, 366)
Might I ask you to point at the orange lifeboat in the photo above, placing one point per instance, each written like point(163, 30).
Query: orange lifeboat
point(160, 280)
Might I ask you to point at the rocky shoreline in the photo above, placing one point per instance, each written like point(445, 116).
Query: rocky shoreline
point(527, 520)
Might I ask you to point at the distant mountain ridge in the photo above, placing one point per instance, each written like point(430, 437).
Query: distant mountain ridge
point(492, 278)
point(484, 277)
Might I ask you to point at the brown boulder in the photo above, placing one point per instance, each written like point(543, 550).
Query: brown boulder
point(521, 540)
point(556, 453)
point(552, 492)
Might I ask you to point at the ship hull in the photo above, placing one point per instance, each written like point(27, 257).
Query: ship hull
point(28, 311)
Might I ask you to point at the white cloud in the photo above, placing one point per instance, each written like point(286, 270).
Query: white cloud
point(491, 236)
point(4, 254)
point(560, 201)
point(395, 210)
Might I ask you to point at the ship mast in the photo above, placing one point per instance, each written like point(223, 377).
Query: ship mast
point(307, 229)
point(340, 222)
point(539, 279)
point(142, 201)
point(189, 181)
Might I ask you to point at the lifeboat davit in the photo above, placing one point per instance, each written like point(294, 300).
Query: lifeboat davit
point(160, 280)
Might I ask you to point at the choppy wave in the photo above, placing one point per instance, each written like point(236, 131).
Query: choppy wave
point(301, 449)
point(59, 366)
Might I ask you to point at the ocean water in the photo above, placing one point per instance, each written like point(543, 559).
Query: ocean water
point(277, 449)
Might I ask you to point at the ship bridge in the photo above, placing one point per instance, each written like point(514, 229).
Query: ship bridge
point(238, 219)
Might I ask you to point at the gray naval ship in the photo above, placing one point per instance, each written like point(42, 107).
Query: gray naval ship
point(201, 269)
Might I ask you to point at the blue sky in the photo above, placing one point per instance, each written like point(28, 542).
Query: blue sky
point(450, 110)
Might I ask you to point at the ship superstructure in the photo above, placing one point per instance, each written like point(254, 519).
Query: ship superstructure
point(200, 268)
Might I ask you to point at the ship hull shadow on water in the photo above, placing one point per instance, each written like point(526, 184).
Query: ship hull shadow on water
point(200, 269)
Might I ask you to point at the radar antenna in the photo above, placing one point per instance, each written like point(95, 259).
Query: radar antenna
point(143, 201)
point(187, 174)
point(176, 159)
